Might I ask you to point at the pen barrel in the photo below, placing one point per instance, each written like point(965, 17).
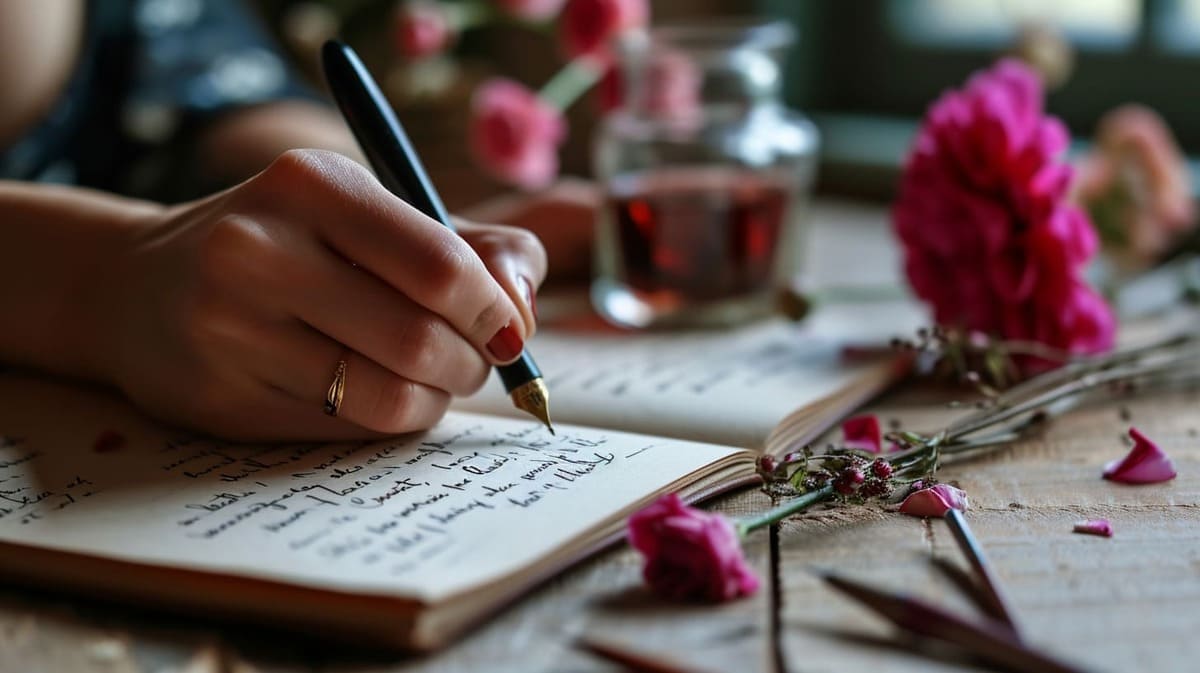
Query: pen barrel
point(518, 373)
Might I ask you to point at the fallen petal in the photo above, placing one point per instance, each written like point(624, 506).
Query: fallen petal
point(934, 501)
point(1145, 464)
point(1099, 527)
point(862, 433)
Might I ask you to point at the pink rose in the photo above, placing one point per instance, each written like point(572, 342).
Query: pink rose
point(514, 134)
point(531, 10)
point(990, 239)
point(934, 501)
point(587, 26)
point(423, 29)
point(1136, 182)
point(1145, 464)
point(690, 554)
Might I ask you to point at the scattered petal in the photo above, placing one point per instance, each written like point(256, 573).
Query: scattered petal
point(1145, 464)
point(690, 554)
point(1100, 527)
point(108, 441)
point(862, 433)
point(934, 501)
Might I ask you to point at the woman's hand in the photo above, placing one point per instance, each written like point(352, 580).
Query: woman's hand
point(231, 313)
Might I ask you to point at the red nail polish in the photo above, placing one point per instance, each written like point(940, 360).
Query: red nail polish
point(506, 345)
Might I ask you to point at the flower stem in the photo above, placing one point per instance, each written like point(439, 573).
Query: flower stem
point(785, 510)
point(571, 82)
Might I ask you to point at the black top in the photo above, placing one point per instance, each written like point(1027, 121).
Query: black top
point(149, 73)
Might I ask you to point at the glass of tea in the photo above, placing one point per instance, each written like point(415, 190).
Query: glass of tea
point(706, 176)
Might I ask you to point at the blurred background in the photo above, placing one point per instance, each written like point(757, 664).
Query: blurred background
point(864, 71)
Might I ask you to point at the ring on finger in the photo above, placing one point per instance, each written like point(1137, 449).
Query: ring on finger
point(337, 389)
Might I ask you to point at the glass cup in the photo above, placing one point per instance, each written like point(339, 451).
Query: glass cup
point(706, 175)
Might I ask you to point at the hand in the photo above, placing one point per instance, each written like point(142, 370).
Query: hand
point(230, 314)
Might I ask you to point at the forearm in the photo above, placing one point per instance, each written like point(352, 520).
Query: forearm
point(57, 246)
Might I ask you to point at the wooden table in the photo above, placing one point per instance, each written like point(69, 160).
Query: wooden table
point(1129, 603)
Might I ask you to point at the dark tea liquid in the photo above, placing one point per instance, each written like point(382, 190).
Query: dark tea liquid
point(700, 235)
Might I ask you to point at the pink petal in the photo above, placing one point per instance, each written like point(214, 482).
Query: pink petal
point(1100, 527)
point(1145, 464)
point(934, 501)
point(862, 433)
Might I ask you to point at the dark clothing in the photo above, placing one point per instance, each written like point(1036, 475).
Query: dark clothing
point(149, 73)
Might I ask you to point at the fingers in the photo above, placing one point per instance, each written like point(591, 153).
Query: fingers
point(299, 363)
point(358, 310)
point(515, 258)
point(350, 211)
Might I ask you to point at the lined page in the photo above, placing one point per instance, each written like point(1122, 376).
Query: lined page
point(729, 387)
point(420, 516)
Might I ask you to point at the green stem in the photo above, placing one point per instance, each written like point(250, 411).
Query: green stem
point(571, 82)
point(785, 510)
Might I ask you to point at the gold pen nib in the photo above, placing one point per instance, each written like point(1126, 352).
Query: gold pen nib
point(534, 399)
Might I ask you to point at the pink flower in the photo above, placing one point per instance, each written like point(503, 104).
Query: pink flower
point(587, 26)
point(514, 134)
point(1145, 464)
point(990, 240)
point(423, 29)
point(531, 10)
point(934, 501)
point(862, 433)
point(1100, 527)
point(690, 554)
point(1136, 183)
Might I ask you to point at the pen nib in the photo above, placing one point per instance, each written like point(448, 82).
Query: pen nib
point(534, 399)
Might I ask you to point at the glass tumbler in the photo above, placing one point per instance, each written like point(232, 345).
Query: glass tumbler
point(706, 175)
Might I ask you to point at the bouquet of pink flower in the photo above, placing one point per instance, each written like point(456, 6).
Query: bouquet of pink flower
point(990, 239)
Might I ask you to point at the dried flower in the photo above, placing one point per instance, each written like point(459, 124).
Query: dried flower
point(515, 135)
point(1100, 527)
point(881, 469)
point(934, 501)
point(423, 29)
point(1136, 184)
point(587, 26)
point(990, 240)
point(1145, 464)
point(690, 554)
point(848, 481)
point(531, 10)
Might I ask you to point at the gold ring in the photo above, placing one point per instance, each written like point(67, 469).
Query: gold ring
point(333, 397)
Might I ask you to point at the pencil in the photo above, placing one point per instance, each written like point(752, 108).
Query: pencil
point(395, 162)
point(990, 640)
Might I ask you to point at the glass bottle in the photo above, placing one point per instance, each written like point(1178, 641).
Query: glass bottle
point(706, 175)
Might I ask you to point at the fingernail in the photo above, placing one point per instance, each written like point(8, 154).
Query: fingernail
point(527, 293)
point(506, 345)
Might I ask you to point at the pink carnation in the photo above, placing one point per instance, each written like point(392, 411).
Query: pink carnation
point(1145, 464)
point(690, 554)
point(990, 239)
point(587, 26)
point(531, 10)
point(423, 29)
point(934, 501)
point(514, 134)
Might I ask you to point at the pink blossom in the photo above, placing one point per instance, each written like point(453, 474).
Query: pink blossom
point(1145, 464)
point(514, 134)
point(1100, 527)
point(934, 501)
point(862, 433)
point(531, 10)
point(1136, 183)
point(690, 554)
point(586, 27)
point(990, 240)
point(423, 29)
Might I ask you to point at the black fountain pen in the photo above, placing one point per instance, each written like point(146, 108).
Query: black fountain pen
point(383, 140)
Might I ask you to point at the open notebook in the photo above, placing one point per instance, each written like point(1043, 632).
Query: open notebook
point(402, 542)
